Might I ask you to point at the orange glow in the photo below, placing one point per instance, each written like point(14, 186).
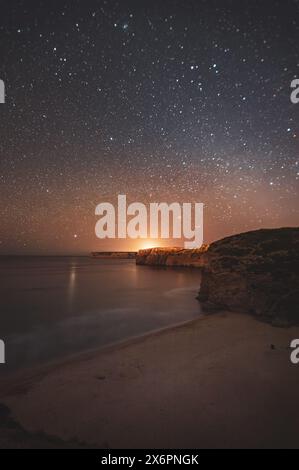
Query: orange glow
point(143, 245)
point(155, 243)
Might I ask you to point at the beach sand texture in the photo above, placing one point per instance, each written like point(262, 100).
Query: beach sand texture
point(222, 381)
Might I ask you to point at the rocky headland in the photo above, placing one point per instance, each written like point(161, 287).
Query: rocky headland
point(171, 257)
point(255, 272)
point(114, 254)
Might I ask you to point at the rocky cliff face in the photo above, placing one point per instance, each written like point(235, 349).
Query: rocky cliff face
point(255, 272)
point(170, 257)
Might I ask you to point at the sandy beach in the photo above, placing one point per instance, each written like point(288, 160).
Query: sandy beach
point(222, 381)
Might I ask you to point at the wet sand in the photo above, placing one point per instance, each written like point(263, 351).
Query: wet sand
point(219, 382)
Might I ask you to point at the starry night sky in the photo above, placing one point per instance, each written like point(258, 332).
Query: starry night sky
point(185, 101)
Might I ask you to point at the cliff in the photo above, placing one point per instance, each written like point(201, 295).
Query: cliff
point(114, 254)
point(255, 272)
point(170, 256)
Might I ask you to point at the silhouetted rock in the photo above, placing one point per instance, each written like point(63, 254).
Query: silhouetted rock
point(255, 272)
point(170, 256)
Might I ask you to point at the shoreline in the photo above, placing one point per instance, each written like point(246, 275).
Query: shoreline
point(41, 370)
point(224, 380)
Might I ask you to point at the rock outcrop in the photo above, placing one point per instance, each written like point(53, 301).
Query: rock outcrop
point(171, 257)
point(255, 272)
point(114, 254)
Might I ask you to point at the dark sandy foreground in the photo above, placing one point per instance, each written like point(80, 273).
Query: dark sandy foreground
point(222, 381)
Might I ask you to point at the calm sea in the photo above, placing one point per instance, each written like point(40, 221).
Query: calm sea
point(53, 307)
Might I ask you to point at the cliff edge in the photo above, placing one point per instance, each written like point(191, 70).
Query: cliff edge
point(171, 256)
point(255, 272)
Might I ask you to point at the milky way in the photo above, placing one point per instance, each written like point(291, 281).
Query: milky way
point(184, 101)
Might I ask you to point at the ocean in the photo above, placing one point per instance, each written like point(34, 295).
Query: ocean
point(55, 307)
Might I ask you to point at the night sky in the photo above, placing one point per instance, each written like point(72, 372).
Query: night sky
point(164, 101)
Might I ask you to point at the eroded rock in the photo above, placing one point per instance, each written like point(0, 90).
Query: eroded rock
point(255, 272)
point(171, 256)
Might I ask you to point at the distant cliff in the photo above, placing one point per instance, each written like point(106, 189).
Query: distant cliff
point(170, 256)
point(255, 272)
point(114, 254)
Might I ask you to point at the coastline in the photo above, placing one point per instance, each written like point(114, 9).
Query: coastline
point(27, 374)
point(224, 380)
